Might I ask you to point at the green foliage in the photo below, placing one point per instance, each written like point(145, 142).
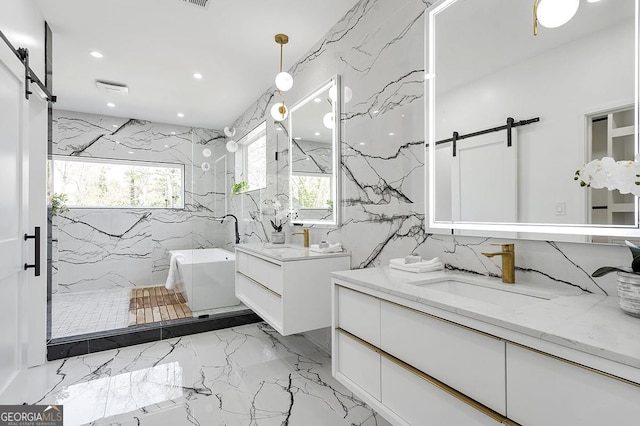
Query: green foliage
point(241, 186)
point(95, 184)
point(58, 204)
point(311, 192)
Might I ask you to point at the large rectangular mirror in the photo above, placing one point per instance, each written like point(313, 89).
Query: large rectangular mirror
point(314, 156)
point(512, 116)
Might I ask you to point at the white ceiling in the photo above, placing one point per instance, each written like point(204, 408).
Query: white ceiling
point(471, 41)
point(154, 47)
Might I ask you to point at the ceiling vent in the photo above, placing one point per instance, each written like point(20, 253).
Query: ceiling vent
point(200, 3)
point(112, 88)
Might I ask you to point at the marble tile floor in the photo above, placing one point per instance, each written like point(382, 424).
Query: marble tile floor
point(248, 375)
point(74, 314)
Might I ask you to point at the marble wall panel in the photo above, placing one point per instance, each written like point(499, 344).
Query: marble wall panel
point(106, 248)
point(378, 49)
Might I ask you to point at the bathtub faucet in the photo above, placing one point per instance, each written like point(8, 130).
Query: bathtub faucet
point(235, 224)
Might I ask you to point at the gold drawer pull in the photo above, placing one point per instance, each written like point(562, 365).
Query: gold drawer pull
point(435, 382)
point(260, 284)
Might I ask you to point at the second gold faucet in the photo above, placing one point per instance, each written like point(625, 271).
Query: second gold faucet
point(508, 262)
point(305, 232)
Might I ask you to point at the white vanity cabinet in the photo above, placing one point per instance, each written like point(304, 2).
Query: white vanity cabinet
point(546, 390)
point(416, 364)
point(291, 290)
point(397, 360)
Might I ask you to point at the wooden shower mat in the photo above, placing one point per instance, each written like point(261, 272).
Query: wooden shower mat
point(153, 304)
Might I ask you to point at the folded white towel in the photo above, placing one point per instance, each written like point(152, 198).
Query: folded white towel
point(423, 263)
point(333, 248)
point(431, 268)
point(174, 278)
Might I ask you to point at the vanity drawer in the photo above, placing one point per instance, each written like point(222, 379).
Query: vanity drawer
point(359, 314)
point(263, 301)
point(544, 390)
point(358, 363)
point(419, 402)
point(468, 361)
point(267, 273)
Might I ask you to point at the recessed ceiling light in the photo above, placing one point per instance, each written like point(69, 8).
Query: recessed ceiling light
point(317, 100)
point(361, 143)
point(111, 105)
point(117, 142)
point(180, 115)
point(391, 134)
point(96, 54)
point(279, 129)
point(114, 125)
point(297, 138)
point(197, 75)
point(376, 111)
point(317, 133)
point(166, 146)
point(130, 152)
point(173, 133)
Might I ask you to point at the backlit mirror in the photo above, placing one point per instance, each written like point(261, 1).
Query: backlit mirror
point(314, 152)
point(512, 116)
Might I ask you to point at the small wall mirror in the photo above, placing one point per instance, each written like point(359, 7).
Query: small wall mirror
point(512, 116)
point(314, 156)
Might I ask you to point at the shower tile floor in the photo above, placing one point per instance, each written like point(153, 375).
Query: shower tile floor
point(100, 310)
point(89, 312)
point(248, 375)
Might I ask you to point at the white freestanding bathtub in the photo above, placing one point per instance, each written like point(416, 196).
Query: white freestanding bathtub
point(209, 277)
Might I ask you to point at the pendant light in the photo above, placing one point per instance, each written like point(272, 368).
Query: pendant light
point(284, 82)
point(232, 146)
point(553, 14)
point(279, 111)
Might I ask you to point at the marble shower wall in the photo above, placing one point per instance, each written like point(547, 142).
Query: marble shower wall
point(125, 247)
point(378, 49)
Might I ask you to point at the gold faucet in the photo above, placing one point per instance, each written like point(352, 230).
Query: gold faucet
point(305, 232)
point(508, 262)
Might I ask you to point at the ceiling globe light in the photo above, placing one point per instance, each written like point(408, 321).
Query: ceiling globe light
point(284, 81)
point(279, 111)
point(232, 146)
point(553, 14)
point(329, 120)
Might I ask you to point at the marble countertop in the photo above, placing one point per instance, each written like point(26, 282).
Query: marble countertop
point(286, 252)
point(586, 322)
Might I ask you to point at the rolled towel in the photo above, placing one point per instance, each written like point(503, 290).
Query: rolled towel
point(409, 268)
point(174, 278)
point(333, 248)
point(421, 264)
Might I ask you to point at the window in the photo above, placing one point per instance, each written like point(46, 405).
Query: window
point(118, 183)
point(311, 191)
point(251, 158)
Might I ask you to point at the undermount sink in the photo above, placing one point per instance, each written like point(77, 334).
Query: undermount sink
point(272, 246)
point(492, 295)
